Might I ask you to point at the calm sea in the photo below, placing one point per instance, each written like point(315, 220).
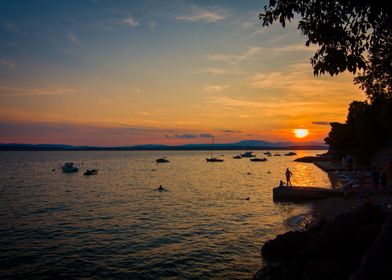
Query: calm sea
point(116, 225)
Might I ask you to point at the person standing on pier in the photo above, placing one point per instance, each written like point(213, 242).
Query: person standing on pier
point(288, 177)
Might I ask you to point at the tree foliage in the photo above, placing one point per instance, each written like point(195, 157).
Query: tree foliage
point(351, 35)
point(368, 127)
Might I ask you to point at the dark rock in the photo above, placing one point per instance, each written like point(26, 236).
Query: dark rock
point(285, 246)
point(329, 250)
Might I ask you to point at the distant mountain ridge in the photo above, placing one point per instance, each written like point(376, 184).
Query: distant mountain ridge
point(245, 144)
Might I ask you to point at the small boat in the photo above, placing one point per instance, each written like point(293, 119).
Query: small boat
point(277, 155)
point(248, 154)
point(213, 159)
point(268, 153)
point(237, 157)
point(162, 160)
point(69, 167)
point(258, 159)
point(291, 154)
point(91, 172)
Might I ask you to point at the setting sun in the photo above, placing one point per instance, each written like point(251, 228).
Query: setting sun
point(300, 132)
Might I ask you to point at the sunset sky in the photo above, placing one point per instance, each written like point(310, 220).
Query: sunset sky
point(114, 73)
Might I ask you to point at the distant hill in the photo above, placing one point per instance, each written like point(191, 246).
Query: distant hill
point(242, 145)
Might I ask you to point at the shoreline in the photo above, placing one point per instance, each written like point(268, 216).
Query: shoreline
point(324, 215)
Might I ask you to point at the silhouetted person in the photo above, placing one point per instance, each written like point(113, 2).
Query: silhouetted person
point(281, 185)
point(160, 188)
point(288, 177)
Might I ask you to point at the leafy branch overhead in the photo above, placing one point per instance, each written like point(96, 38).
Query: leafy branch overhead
point(352, 35)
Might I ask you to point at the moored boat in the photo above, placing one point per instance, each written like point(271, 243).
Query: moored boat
point(90, 172)
point(248, 154)
point(258, 159)
point(214, 159)
point(69, 167)
point(162, 160)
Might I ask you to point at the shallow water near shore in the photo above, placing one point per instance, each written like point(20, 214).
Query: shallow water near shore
point(116, 225)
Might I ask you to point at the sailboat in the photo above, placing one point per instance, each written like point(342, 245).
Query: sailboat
point(213, 159)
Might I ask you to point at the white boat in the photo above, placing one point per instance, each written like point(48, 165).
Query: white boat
point(69, 167)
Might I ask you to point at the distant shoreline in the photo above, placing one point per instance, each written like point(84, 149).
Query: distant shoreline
point(167, 148)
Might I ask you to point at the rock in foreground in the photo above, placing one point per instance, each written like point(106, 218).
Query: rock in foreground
point(330, 250)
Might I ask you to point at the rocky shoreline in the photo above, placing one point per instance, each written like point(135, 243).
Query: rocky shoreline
point(328, 250)
point(342, 238)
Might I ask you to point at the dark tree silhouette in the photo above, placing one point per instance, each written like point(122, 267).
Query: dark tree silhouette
point(367, 128)
point(351, 35)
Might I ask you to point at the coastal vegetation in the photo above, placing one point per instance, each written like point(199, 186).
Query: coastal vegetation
point(353, 36)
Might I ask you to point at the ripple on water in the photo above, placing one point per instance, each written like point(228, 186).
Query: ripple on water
point(114, 225)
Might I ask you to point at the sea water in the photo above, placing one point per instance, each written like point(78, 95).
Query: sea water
point(210, 222)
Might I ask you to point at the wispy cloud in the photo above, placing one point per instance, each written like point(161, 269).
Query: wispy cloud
point(265, 106)
point(11, 27)
point(217, 71)
point(296, 78)
point(7, 63)
point(253, 51)
point(39, 91)
point(198, 14)
point(321, 123)
point(216, 88)
point(206, 135)
point(77, 133)
point(130, 21)
point(235, 58)
point(113, 23)
point(189, 136)
point(73, 38)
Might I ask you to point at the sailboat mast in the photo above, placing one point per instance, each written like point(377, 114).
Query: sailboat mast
point(212, 145)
